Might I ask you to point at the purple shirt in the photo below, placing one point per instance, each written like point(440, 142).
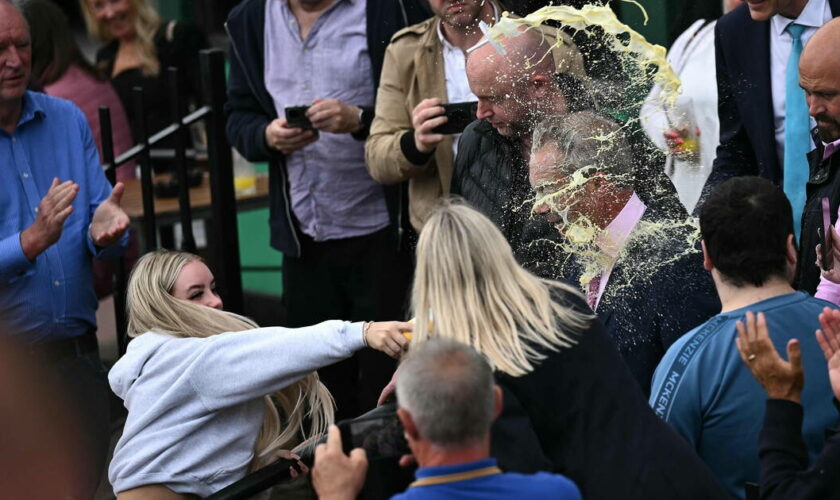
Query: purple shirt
point(332, 194)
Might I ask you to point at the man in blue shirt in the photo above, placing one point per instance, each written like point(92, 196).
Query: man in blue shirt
point(447, 403)
point(57, 210)
point(701, 387)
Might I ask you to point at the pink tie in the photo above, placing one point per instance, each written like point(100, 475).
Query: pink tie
point(592, 294)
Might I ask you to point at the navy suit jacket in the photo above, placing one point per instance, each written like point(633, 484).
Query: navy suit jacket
point(655, 294)
point(745, 100)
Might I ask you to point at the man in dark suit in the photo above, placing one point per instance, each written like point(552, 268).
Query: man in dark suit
point(819, 71)
point(638, 264)
point(754, 45)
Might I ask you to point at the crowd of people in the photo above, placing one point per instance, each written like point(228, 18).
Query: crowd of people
point(597, 301)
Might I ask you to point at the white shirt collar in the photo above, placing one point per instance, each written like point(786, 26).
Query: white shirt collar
point(812, 16)
point(449, 46)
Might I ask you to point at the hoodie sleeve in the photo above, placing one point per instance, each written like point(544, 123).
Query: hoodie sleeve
point(236, 367)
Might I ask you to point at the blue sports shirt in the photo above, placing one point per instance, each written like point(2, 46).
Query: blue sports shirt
point(703, 390)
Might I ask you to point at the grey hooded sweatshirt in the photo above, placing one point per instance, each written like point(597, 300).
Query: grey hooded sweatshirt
point(195, 404)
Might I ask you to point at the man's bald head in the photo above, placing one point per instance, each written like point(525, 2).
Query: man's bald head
point(819, 76)
point(510, 87)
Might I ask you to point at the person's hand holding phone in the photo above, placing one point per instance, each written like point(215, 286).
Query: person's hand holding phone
point(279, 136)
point(334, 116)
point(427, 116)
point(833, 274)
point(336, 476)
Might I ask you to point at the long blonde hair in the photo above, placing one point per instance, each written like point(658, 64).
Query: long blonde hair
point(152, 307)
point(146, 24)
point(468, 287)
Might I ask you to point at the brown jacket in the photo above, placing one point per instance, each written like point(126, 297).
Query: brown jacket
point(413, 71)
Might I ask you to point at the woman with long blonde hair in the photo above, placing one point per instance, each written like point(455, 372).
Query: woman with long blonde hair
point(203, 386)
point(571, 404)
point(139, 47)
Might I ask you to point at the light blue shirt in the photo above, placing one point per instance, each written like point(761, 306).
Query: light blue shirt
point(703, 390)
point(332, 194)
point(52, 297)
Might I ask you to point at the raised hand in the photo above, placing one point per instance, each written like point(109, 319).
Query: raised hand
point(781, 379)
point(829, 339)
point(388, 337)
point(109, 221)
point(53, 211)
point(332, 115)
point(336, 476)
point(834, 274)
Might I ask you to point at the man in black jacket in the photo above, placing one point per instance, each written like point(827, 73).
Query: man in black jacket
point(338, 228)
point(820, 78)
point(639, 266)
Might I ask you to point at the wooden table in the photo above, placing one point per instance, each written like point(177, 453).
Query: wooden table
point(167, 211)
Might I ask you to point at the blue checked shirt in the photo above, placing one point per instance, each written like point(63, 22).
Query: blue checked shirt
point(52, 297)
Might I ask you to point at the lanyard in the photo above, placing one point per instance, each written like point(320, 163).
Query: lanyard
point(458, 476)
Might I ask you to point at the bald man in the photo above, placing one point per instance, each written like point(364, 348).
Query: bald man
point(514, 92)
point(819, 76)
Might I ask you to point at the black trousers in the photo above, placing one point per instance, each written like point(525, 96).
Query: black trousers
point(363, 278)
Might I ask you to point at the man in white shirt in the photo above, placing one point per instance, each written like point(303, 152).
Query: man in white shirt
point(764, 124)
point(424, 67)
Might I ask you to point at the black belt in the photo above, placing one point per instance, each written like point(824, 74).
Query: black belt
point(68, 348)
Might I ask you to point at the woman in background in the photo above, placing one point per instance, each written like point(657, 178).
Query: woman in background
point(60, 68)
point(198, 383)
point(139, 49)
point(691, 147)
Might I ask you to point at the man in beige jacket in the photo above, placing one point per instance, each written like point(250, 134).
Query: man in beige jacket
point(424, 67)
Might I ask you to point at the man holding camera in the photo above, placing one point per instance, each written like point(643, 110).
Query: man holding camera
point(424, 68)
point(447, 403)
point(302, 84)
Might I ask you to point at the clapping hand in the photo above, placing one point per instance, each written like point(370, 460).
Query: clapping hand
point(53, 210)
point(109, 221)
point(780, 379)
point(829, 339)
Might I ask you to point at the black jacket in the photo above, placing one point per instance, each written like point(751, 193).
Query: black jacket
point(823, 182)
point(250, 108)
point(745, 100)
point(785, 474)
point(657, 292)
point(594, 425)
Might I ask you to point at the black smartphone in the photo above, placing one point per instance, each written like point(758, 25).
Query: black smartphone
point(381, 436)
point(296, 117)
point(825, 237)
point(460, 114)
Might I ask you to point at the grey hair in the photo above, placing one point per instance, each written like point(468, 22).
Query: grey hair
point(588, 139)
point(447, 387)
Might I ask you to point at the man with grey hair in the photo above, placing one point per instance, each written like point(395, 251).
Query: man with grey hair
point(447, 403)
point(59, 211)
point(639, 266)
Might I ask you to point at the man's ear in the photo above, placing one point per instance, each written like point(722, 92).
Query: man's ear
point(498, 401)
point(791, 257)
point(408, 424)
point(707, 262)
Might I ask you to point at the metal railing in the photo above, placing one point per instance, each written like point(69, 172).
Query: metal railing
point(224, 255)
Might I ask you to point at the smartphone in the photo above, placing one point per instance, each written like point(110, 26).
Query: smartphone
point(380, 435)
point(296, 117)
point(460, 114)
point(827, 250)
